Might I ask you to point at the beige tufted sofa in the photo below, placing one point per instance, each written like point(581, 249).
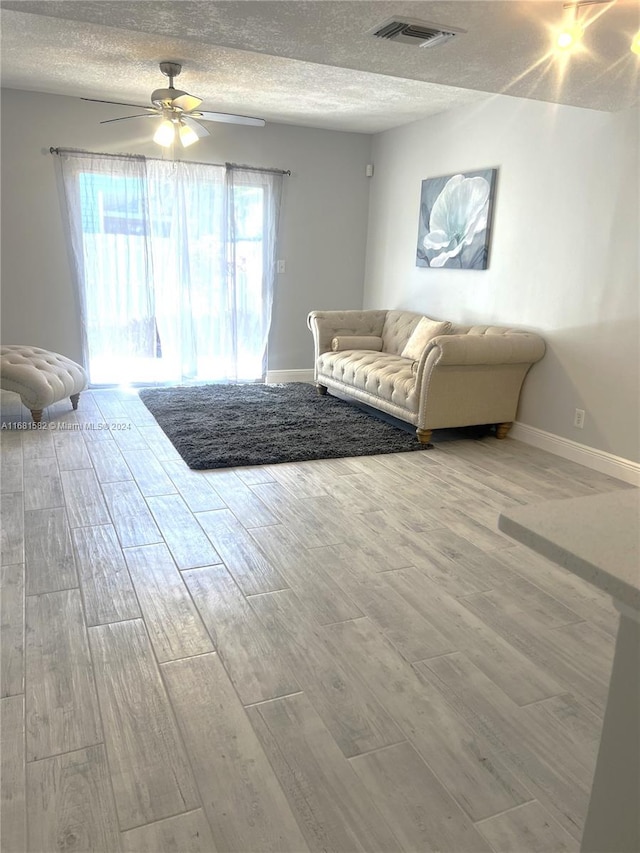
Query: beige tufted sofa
point(40, 377)
point(470, 375)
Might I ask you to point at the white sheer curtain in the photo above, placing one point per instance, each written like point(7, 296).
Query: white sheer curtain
point(175, 266)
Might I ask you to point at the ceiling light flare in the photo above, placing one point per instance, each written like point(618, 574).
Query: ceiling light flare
point(165, 134)
point(569, 37)
point(635, 44)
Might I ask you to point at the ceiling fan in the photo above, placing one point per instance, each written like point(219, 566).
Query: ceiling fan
point(179, 112)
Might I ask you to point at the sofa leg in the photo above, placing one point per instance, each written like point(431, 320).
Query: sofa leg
point(321, 389)
point(74, 401)
point(424, 435)
point(36, 414)
point(503, 429)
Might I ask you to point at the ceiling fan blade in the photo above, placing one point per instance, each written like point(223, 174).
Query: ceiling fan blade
point(195, 126)
point(117, 103)
point(124, 118)
point(186, 102)
point(229, 118)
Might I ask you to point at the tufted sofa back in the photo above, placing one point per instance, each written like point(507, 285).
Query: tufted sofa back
point(399, 325)
point(397, 329)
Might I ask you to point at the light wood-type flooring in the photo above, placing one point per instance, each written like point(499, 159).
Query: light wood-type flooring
point(341, 655)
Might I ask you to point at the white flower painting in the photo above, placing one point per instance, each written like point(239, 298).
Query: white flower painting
point(455, 218)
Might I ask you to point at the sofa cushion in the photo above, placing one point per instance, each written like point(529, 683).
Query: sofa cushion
point(389, 377)
point(424, 332)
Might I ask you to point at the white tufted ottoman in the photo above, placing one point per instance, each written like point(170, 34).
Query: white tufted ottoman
point(40, 377)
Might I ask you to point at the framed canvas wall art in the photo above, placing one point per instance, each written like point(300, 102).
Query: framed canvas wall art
point(455, 220)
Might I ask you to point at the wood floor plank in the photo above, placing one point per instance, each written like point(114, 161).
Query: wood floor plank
point(518, 595)
point(13, 818)
point(380, 553)
point(325, 599)
point(194, 487)
point(137, 412)
point(352, 493)
point(548, 763)
point(332, 808)
point(12, 465)
point(42, 484)
point(454, 517)
point(174, 624)
point(70, 803)
point(109, 405)
point(251, 475)
point(424, 816)
point(414, 636)
point(159, 444)
point(11, 630)
point(528, 827)
point(478, 566)
point(241, 796)
point(186, 540)
point(148, 473)
point(247, 507)
point(149, 769)
point(254, 664)
point(314, 521)
point(11, 529)
point(83, 498)
point(106, 585)
point(300, 479)
point(126, 435)
point(568, 663)
point(575, 593)
point(250, 568)
point(480, 783)
point(184, 833)
point(131, 516)
point(50, 564)
point(71, 451)
point(37, 444)
point(108, 462)
point(355, 718)
point(417, 550)
point(61, 703)
point(509, 668)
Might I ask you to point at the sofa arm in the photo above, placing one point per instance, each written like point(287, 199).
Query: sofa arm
point(514, 348)
point(326, 325)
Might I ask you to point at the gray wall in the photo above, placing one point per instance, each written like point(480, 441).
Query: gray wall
point(322, 234)
point(564, 253)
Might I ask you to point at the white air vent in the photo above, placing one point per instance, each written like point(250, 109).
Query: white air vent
point(415, 33)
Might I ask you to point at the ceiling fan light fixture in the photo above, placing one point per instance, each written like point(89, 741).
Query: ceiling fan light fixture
point(187, 135)
point(165, 134)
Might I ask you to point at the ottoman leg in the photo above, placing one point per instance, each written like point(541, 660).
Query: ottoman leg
point(36, 414)
point(424, 435)
point(74, 400)
point(321, 389)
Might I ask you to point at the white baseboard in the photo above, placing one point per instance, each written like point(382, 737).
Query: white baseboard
point(599, 460)
point(275, 377)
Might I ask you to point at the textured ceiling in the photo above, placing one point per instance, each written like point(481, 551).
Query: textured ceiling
point(313, 63)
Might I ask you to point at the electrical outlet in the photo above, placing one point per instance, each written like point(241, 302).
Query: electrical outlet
point(578, 419)
point(280, 266)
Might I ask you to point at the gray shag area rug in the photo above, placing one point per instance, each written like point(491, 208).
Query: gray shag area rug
point(228, 426)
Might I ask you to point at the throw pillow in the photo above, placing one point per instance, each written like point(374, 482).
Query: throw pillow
point(424, 332)
point(371, 342)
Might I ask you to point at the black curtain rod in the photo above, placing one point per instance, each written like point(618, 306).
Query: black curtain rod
point(287, 172)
